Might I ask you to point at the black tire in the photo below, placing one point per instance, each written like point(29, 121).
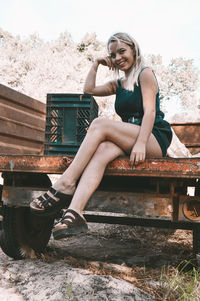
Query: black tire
point(22, 232)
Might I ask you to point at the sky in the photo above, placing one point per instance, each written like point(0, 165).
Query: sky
point(170, 28)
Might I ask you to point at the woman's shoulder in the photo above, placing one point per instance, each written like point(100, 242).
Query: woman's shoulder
point(147, 75)
point(145, 70)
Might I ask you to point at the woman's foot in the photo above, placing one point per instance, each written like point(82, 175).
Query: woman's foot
point(71, 223)
point(50, 203)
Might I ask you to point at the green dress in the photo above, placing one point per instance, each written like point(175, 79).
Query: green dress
point(129, 106)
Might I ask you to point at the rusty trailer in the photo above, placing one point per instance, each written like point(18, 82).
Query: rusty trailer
point(156, 193)
point(159, 185)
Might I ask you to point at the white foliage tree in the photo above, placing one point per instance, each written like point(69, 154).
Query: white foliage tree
point(35, 67)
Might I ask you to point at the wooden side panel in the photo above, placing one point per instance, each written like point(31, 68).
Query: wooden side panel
point(22, 123)
point(189, 134)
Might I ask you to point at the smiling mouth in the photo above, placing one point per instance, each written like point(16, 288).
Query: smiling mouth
point(121, 64)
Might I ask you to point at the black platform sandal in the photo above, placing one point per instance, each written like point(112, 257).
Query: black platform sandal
point(69, 225)
point(48, 206)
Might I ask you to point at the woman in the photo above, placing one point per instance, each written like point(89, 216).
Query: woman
point(142, 133)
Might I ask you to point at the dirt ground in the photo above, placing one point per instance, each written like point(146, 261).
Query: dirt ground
point(124, 255)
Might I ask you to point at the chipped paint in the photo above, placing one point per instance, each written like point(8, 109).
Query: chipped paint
point(161, 167)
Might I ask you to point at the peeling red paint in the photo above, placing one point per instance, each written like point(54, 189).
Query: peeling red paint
point(162, 167)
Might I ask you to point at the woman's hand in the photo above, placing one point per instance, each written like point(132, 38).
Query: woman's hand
point(105, 61)
point(138, 153)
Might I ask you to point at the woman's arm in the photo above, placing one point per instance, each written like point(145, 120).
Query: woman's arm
point(149, 90)
point(90, 87)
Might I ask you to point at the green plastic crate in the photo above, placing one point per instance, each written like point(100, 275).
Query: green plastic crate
point(68, 117)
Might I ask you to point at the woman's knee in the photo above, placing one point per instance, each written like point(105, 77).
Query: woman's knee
point(104, 148)
point(107, 150)
point(97, 126)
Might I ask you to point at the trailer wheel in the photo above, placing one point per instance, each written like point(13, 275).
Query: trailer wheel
point(24, 234)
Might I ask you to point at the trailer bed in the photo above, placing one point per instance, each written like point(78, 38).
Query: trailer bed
point(162, 167)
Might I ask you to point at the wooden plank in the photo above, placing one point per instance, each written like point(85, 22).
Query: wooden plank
point(9, 149)
point(27, 118)
point(17, 141)
point(188, 133)
point(22, 123)
point(18, 129)
point(19, 106)
point(22, 99)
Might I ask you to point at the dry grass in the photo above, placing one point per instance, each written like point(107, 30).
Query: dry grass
point(164, 283)
point(169, 284)
point(181, 283)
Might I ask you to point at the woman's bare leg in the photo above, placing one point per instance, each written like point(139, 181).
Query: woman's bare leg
point(92, 176)
point(120, 133)
point(93, 173)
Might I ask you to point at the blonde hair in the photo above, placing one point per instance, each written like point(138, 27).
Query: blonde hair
point(132, 78)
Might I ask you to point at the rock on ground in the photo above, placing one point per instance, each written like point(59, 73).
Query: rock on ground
point(109, 263)
point(35, 280)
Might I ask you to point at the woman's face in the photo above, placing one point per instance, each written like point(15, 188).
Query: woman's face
point(122, 55)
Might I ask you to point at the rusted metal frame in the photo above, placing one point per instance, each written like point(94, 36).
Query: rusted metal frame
point(1, 188)
point(175, 201)
point(175, 206)
point(132, 221)
point(196, 239)
point(155, 223)
point(178, 188)
point(165, 167)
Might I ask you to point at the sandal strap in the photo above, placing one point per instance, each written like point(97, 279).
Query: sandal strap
point(49, 203)
point(43, 201)
point(76, 219)
point(57, 193)
point(46, 200)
